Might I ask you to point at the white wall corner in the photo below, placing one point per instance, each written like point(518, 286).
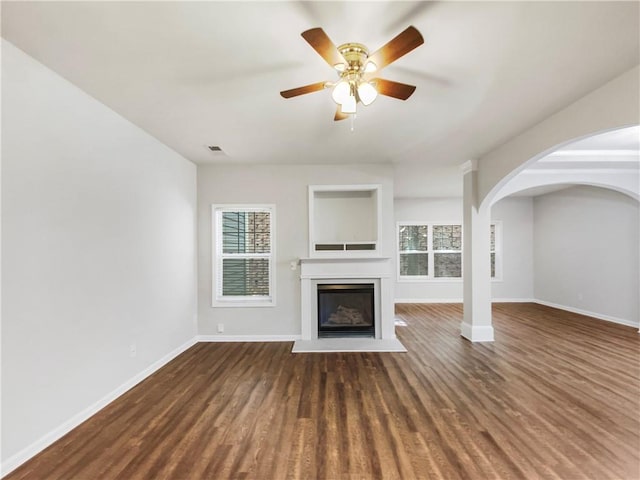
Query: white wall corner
point(39, 445)
point(477, 333)
point(469, 166)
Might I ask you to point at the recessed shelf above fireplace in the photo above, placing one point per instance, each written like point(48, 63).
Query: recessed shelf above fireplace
point(344, 220)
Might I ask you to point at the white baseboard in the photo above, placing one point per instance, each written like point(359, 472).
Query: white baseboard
point(476, 333)
point(427, 300)
point(513, 300)
point(248, 338)
point(36, 447)
point(459, 300)
point(599, 316)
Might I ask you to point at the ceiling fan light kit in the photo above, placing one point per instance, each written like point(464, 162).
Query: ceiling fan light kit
point(354, 66)
point(352, 88)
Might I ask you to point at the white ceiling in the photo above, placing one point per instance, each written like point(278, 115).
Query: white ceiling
point(194, 74)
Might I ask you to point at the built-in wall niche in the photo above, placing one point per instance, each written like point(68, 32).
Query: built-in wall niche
point(344, 220)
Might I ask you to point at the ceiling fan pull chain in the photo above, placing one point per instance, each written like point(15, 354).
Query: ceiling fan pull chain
point(353, 122)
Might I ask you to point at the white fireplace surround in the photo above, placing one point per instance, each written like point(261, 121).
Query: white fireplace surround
point(375, 270)
point(345, 243)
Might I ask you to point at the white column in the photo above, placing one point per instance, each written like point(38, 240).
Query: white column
point(476, 266)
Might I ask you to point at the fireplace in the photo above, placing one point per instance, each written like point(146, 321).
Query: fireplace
point(324, 272)
point(346, 310)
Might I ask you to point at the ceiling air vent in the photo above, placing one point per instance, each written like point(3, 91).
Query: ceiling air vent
point(214, 148)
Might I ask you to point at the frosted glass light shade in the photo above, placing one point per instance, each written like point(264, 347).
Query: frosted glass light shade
point(340, 92)
point(367, 93)
point(349, 106)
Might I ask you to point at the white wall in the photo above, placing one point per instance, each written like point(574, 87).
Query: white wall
point(98, 252)
point(516, 215)
point(286, 187)
point(422, 179)
point(586, 252)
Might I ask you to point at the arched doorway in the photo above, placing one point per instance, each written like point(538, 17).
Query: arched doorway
point(607, 159)
point(586, 233)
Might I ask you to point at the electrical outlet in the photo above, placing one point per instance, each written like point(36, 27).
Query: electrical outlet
point(220, 327)
point(133, 351)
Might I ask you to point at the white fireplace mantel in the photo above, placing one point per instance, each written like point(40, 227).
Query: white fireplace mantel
point(376, 270)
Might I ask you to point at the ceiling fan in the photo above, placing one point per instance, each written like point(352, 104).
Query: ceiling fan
point(356, 68)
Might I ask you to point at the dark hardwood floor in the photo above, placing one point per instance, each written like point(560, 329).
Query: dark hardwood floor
point(555, 396)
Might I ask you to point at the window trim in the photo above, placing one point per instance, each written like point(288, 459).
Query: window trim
point(430, 278)
point(217, 299)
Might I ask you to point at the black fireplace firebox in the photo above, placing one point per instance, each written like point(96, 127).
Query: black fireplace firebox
point(346, 310)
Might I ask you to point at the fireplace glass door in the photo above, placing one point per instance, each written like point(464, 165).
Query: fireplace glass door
point(346, 310)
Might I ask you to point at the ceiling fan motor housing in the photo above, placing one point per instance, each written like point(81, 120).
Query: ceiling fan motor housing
point(356, 56)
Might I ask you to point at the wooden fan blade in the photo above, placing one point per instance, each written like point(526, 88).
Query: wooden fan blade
point(294, 92)
point(400, 45)
point(393, 89)
point(339, 115)
point(322, 44)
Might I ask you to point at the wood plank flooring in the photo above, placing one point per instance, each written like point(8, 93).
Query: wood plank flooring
point(556, 396)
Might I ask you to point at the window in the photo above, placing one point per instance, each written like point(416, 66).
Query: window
point(414, 253)
point(447, 251)
point(243, 256)
point(430, 251)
